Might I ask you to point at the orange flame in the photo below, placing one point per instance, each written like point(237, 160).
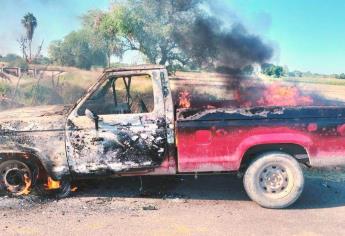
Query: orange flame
point(184, 99)
point(52, 184)
point(273, 95)
point(277, 95)
point(27, 181)
point(26, 188)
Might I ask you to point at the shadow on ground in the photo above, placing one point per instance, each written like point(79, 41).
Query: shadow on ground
point(317, 194)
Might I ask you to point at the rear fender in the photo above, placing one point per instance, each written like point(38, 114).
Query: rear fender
point(274, 138)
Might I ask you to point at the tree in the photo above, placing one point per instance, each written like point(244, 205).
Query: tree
point(76, 50)
point(248, 70)
point(103, 34)
point(145, 26)
point(10, 57)
point(278, 71)
point(29, 22)
point(340, 76)
point(267, 69)
point(272, 70)
point(175, 33)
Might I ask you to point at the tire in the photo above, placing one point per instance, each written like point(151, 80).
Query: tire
point(17, 177)
point(274, 180)
point(63, 192)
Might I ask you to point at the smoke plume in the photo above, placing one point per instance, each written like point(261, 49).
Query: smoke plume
point(215, 42)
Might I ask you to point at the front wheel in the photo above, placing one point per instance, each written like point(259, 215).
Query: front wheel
point(62, 192)
point(16, 177)
point(274, 180)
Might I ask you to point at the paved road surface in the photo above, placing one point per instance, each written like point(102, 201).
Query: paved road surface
point(210, 205)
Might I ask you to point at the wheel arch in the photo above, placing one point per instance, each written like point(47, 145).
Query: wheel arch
point(30, 157)
point(299, 152)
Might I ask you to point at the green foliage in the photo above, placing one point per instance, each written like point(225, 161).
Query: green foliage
point(29, 22)
point(14, 60)
point(180, 34)
point(340, 76)
point(278, 71)
point(5, 88)
point(33, 94)
point(42, 61)
point(272, 70)
point(76, 50)
point(248, 70)
point(145, 26)
point(19, 62)
point(10, 57)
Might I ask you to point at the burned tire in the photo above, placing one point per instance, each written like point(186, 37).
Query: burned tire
point(62, 192)
point(16, 177)
point(274, 180)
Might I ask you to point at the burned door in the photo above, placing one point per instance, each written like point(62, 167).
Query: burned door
point(119, 127)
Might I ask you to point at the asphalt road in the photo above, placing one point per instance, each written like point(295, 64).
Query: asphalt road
point(210, 205)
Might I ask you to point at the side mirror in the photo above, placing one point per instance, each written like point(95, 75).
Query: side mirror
point(95, 118)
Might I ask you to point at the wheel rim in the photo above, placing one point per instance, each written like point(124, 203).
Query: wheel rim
point(15, 177)
point(275, 181)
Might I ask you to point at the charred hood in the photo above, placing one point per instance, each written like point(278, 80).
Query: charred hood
point(40, 118)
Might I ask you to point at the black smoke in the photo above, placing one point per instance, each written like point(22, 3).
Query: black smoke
point(212, 44)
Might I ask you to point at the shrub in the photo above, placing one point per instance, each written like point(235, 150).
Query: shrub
point(5, 89)
point(19, 62)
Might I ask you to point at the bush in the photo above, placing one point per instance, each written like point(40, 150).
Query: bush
point(5, 89)
point(33, 94)
point(19, 62)
point(42, 61)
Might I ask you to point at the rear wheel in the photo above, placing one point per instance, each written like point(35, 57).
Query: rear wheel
point(274, 180)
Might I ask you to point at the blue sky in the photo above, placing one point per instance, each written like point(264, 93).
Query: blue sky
point(307, 35)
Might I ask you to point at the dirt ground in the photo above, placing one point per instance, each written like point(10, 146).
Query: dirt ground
point(209, 205)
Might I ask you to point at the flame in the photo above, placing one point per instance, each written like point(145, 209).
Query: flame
point(184, 99)
point(284, 96)
point(52, 184)
point(273, 95)
point(26, 190)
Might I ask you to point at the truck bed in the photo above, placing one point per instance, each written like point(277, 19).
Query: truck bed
point(218, 139)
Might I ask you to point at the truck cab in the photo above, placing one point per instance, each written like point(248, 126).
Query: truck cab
point(124, 124)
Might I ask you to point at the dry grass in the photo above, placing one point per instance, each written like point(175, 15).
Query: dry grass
point(213, 86)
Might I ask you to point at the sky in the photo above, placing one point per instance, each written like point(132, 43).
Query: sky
point(307, 35)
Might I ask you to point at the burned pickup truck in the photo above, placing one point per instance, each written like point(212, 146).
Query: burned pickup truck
point(127, 125)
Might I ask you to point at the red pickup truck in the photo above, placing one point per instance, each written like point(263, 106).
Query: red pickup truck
point(127, 125)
